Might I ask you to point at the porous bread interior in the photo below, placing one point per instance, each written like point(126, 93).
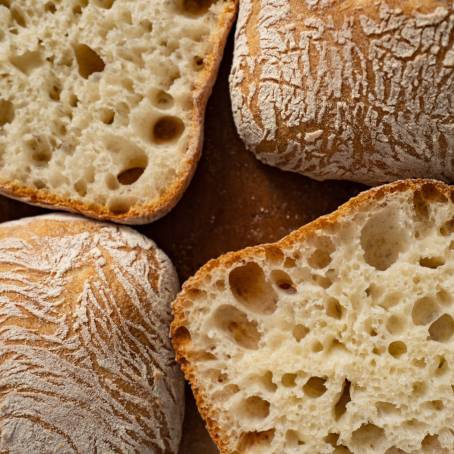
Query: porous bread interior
point(97, 96)
point(339, 343)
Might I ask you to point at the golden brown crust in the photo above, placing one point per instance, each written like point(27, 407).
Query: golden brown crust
point(148, 212)
point(429, 190)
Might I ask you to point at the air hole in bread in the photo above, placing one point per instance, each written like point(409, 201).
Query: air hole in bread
point(112, 182)
point(442, 329)
point(368, 436)
point(107, 116)
point(442, 366)
point(119, 206)
point(55, 91)
point(420, 206)
point(254, 407)
point(5, 3)
point(250, 287)
point(292, 439)
point(73, 100)
point(167, 129)
point(315, 387)
point(18, 16)
point(6, 112)
point(424, 311)
point(299, 332)
point(163, 99)
point(267, 381)
point(289, 380)
point(419, 388)
point(182, 335)
point(40, 149)
point(194, 7)
point(436, 405)
point(431, 444)
point(444, 297)
point(252, 440)
point(198, 63)
point(106, 4)
point(50, 7)
point(341, 405)
point(397, 349)
point(321, 257)
point(39, 184)
point(81, 188)
point(88, 61)
point(317, 347)
point(395, 324)
point(321, 281)
point(283, 281)
point(235, 324)
point(334, 308)
point(27, 62)
point(130, 176)
point(275, 255)
point(419, 363)
point(431, 262)
point(386, 408)
point(382, 239)
point(341, 449)
point(394, 450)
point(447, 228)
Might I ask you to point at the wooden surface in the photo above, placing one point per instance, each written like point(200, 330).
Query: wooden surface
point(233, 201)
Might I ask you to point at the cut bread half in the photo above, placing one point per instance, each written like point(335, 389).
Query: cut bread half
point(336, 339)
point(102, 101)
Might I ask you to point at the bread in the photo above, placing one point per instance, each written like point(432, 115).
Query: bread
point(348, 90)
point(102, 101)
point(336, 339)
point(86, 363)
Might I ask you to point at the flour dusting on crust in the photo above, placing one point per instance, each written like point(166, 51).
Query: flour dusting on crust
point(353, 89)
point(85, 358)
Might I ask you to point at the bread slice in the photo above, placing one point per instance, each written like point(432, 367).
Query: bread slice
point(102, 101)
point(336, 339)
point(347, 90)
point(86, 364)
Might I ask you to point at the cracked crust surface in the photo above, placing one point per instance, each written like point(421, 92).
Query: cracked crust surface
point(357, 90)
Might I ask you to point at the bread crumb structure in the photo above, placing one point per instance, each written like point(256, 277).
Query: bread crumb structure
point(102, 101)
point(86, 364)
point(337, 339)
point(347, 89)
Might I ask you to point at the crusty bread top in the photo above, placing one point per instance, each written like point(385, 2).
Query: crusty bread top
point(359, 89)
point(336, 339)
point(86, 363)
point(102, 101)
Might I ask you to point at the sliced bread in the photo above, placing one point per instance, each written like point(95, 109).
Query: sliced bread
point(347, 89)
point(86, 364)
point(102, 101)
point(337, 339)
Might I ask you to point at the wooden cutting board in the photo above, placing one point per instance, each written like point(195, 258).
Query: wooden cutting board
point(234, 201)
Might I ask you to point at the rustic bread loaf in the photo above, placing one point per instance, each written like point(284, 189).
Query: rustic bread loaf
point(102, 101)
point(337, 339)
point(86, 363)
point(353, 90)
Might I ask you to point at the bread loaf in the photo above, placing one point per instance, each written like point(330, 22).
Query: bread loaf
point(349, 90)
point(102, 101)
point(337, 339)
point(86, 363)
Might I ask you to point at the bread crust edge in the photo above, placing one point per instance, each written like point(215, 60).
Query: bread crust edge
point(352, 206)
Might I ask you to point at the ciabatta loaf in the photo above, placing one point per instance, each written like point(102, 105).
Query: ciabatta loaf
point(358, 90)
point(86, 363)
point(337, 339)
point(102, 101)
